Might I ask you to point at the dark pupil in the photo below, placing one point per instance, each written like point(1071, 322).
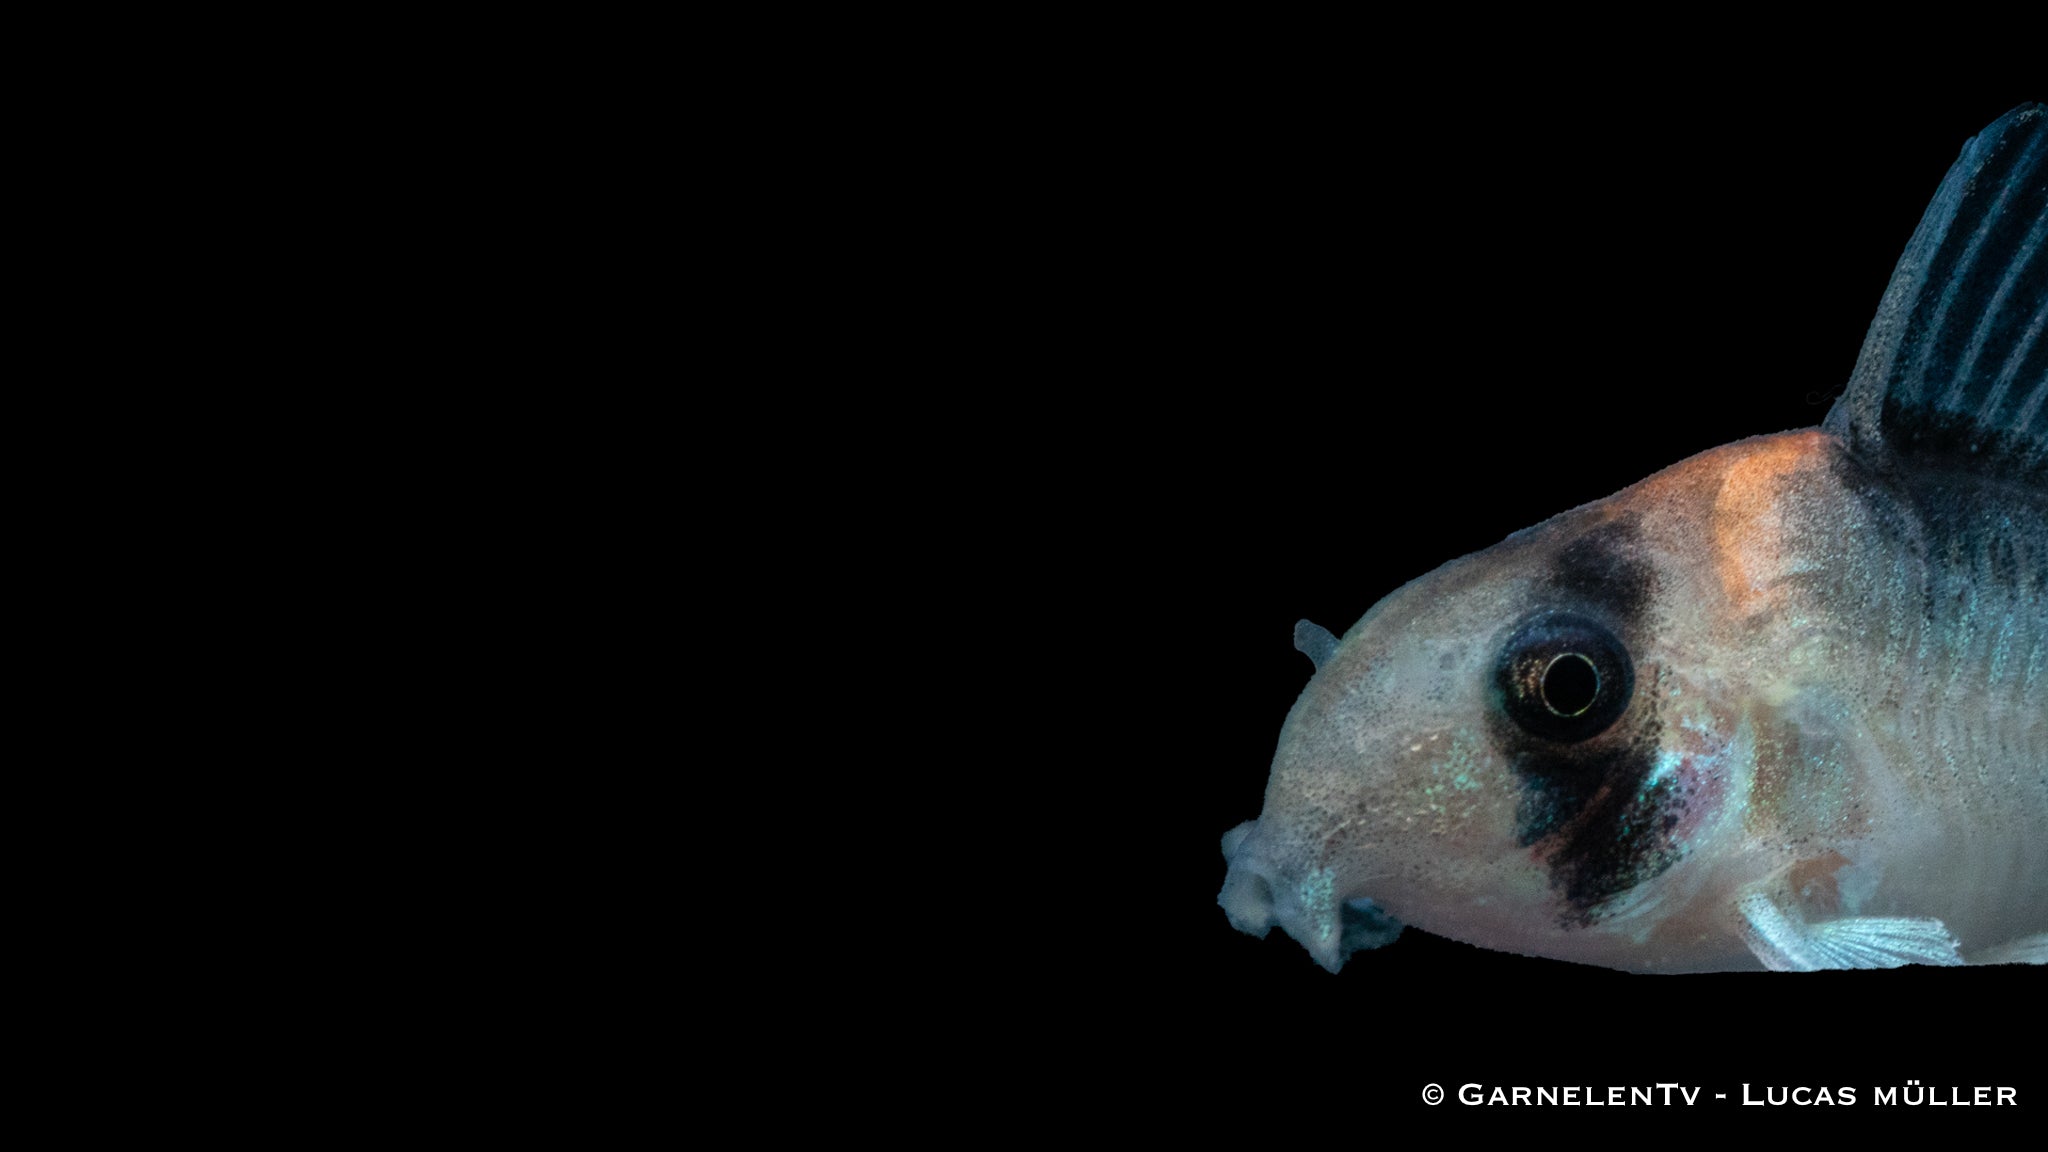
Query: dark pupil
point(1570, 684)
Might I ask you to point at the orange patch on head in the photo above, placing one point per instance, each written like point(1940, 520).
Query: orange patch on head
point(1748, 520)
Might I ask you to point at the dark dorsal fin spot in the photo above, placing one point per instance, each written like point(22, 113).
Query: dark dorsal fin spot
point(1954, 371)
point(1605, 570)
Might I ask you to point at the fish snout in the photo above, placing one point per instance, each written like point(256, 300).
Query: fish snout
point(1258, 894)
point(1247, 896)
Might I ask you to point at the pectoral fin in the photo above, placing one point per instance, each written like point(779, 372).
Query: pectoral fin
point(2025, 950)
point(1787, 943)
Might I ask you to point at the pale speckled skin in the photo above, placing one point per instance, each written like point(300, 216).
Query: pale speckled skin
point(1847, 679)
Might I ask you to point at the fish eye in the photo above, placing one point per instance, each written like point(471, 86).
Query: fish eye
point(1565, 677)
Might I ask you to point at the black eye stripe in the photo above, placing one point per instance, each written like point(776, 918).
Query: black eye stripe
point(1607, 569)
point(1604, 827)
point(1584, 772)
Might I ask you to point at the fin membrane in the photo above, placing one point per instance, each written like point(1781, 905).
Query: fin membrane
point(1956, 362)
point(1315, 642)
point(2025, 950)
point(1786, 943)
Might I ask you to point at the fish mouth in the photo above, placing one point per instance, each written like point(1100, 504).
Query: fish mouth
point(1259, 893)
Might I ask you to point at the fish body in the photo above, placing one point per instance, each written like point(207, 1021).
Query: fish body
point(1780, 705)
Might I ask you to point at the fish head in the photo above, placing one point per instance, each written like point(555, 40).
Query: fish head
point(1545, 746)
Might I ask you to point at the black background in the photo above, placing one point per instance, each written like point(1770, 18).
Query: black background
point(1306, 340)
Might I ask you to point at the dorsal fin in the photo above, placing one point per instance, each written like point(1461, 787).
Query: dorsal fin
point(1314, 641)
point(1956, 364)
